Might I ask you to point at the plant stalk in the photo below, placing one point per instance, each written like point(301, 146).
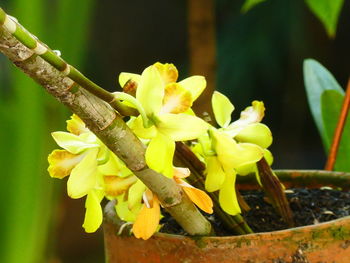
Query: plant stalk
point(274, 191)
point(40, 49)
point(332, 157)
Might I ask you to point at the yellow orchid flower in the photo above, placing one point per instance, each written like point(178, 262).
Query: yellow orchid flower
point(248, 127)
point(91, 168)
point(163, 104)
point(232, 149)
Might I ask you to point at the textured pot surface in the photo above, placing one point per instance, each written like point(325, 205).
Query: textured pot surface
point(322, 243)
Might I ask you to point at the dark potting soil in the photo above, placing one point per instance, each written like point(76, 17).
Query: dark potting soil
point(309, 206)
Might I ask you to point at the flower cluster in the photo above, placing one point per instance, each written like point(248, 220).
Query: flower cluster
point(233, 149)
point(165, 117)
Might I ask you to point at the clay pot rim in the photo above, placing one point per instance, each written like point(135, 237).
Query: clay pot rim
point(109, 216)
point(259, 235)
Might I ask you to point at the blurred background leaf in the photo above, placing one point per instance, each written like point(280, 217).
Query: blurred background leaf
point(317, 80)
point(249, 4)
point(328, 12)
point(28, 196)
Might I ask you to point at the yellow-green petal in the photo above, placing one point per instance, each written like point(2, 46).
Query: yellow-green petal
point(76, 126)
point(115, 185)
point(160, 153)
point(135, 194)
point(268, 156)
point(93, 214)
point(181, 127)
point(114, 166)
point(123, 211)
point(73, 143)
point(251, 114)
point(176, 99)
point(168, 72)
point(136, 125)
point(215, 176)
point(256, 133)
point(227, 196)
point(150, 91)
point(195, 85)
point(124, 77)
point(222, 108)
point(83, 177)
point(232, 154)
point(61, 163)
point(246, 169)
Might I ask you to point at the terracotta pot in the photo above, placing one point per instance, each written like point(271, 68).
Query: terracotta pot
point(322, 243)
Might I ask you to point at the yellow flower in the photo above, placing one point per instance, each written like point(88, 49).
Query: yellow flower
point(85, 159)
point(164, 104)
point(232, 149)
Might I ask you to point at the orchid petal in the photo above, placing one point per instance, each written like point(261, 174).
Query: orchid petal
point(246, 169)
point(181, 172)
point(251, 114)
point(199, 198)
point(62, 162)
point(114, 185)
point(73, 143)
point(123, 211)
point(232, 155)
point(215, 176)
point(150, 91)
point(124, 77)
point(135, 193)
point(256, 133)
point(160, 153)
point(147, 221)
point(115, 167)
point(222, 108)
point(93, 214)
point(103, 155)
point(167, 71)
point(195, 85)
point(76, 126)
point(136, 125)
point(181, 127)
point(176, 99)
point(227, 196)
point(268, 157)
point(84, 176)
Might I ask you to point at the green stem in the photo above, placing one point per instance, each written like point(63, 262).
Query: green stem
point(40, 49)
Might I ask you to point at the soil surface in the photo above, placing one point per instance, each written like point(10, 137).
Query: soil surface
point(309, 206)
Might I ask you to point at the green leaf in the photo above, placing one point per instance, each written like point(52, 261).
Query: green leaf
point(331, 104)
point(317, 79)
point(249, 4)
point(328, 12)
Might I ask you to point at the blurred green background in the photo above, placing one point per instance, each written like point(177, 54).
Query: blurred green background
point(259, 55)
